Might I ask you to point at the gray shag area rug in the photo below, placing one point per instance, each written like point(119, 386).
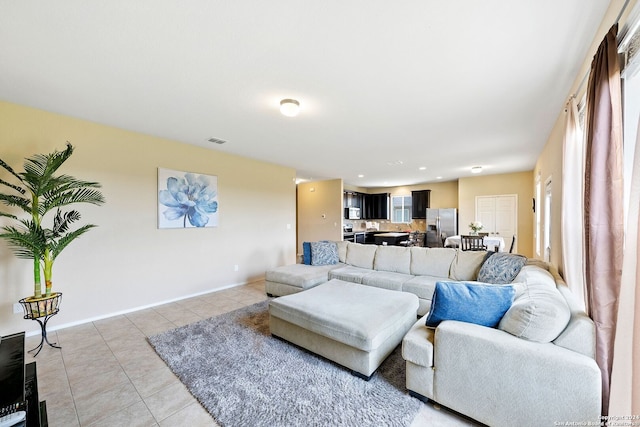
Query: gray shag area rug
point(245, 377)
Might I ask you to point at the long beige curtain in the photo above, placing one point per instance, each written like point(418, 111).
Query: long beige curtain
point(603, 199)
point(572, 205)
point(625, 378)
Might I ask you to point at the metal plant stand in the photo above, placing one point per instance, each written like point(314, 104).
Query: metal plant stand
point(41, 310)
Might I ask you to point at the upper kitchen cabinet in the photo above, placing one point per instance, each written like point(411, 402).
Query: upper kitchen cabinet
point(420, 201)
point(352, 199)
point(376, 206)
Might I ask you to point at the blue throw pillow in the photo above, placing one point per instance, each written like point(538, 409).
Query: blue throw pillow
point(324, 253)
point(306, 253)
point(501, 268)
point(479, 303)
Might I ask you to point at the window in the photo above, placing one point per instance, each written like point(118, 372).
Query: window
point(401, 209)
point(537, 206)
point(547, 220)
point(631, 110)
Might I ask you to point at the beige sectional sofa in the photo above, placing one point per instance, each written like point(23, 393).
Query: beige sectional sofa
point(535, 368)
point(409, 269)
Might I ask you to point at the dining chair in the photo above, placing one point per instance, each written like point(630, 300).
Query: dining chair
point(472, 243)
point(412, 240)
point(513, 243)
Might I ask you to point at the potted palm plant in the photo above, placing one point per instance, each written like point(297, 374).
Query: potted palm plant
point(38, 191)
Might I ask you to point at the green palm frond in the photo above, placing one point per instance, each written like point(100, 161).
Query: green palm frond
point(78, 195)
point(9, 169)
point(12, 200)
point(8, 215)
point(25, 242)
point(57, 246)
point(10, 185)
point(62, 222)
point(39, 169)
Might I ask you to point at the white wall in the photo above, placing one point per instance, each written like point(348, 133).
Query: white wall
point(127, 262)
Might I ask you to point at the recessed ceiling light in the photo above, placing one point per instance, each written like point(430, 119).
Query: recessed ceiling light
point(360, 176)
point(438, 177)
point(289, 107)
point(423, 168)
point(395, 163)
point(476, 169)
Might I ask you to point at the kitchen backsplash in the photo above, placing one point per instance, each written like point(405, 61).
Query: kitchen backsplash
point(385, 225)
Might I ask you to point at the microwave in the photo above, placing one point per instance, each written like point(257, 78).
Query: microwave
point(352, 213)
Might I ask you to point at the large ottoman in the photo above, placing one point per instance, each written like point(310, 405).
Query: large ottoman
point(353, 325)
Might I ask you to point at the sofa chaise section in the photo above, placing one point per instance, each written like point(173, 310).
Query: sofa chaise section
point(290, 279)
point(536, 368)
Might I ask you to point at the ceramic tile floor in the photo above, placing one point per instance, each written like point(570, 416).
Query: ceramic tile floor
point(106, 374)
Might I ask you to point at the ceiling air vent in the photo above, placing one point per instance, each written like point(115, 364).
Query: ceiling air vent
point(216, 140)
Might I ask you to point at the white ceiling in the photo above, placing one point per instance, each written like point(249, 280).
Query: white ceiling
point(444, 85)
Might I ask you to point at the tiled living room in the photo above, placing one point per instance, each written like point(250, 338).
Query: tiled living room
point(266, 214)
point(107, 374)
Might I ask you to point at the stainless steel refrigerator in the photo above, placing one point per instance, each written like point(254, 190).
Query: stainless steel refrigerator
point(441, 223)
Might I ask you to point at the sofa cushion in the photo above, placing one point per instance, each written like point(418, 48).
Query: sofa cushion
point(431, 261)
point(386, 279)
point(540, 313)
point(324, 253)
point(392, 258)
point(501, 268)
point(422, 286)
point(466, 265)
point(480, 303)
point(300, 275)
point(360, 255)
point(349, 273)
point(342, 250)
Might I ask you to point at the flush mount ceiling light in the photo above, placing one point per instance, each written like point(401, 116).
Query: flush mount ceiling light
point(476, 169)
point(289, 107)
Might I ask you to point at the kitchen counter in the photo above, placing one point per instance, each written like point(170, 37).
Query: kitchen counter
point(390, 238)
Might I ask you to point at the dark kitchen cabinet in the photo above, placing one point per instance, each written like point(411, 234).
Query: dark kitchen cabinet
point(420, 201)
point(376, 206)
point(352, 199)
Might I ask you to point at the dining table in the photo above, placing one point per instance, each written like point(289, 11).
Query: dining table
point(494, 243)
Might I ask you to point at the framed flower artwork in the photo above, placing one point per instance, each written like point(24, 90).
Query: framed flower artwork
point(186, 199)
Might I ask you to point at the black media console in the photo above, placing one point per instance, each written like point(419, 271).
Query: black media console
point(19, 384)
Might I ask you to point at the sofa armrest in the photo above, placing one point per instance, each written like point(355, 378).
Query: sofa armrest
point(500, 379)
point(580, 333)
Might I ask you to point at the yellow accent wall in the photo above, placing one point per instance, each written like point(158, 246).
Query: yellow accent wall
point(319, 211)
point(492, 185)
point(127, 262)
